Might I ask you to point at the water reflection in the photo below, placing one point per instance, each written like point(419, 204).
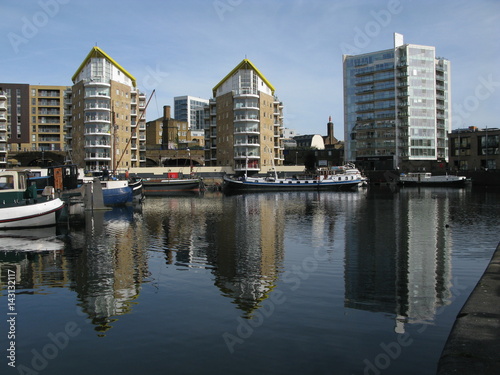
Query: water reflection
point(36, 255)
point(109, 265)
point(34, 239)
point(240, 238)
point(398, 260)
point(396, 246)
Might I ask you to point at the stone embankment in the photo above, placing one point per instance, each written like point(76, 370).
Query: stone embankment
point(473, 346)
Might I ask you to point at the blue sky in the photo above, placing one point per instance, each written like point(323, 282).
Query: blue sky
point(185, 47)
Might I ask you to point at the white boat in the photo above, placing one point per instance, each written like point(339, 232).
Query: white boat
point(20, 207)
point(427, 179)
point(336, 178)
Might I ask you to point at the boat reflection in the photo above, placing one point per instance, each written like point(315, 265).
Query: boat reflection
point(33, 239)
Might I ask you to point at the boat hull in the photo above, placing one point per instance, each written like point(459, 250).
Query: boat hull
point(136, 186)
point(31, 215)
point(231, 185)
point(437, 181)
point(170, 187)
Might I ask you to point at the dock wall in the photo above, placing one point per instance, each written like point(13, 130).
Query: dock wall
point(473, 346)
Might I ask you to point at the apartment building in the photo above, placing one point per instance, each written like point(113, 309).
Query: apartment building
point(35, 117)
point(107, 127)
point(244, 122)
point(3, 129)
point(17, 117)
point(191, 110)
point(397, 106)
point(475, 149)
point(48, 104)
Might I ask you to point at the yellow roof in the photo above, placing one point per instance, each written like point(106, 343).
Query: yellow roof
point(97, 52)
point(245, 64)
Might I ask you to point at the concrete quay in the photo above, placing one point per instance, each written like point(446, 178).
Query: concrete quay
point(473, 346)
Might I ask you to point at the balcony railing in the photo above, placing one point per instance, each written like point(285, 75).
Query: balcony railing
point(97, 155)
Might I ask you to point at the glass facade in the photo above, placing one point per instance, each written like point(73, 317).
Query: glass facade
point(369, 105)
point(396, 105)
point(191, 110)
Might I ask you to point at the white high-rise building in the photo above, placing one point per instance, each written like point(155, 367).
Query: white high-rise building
point(191, 110)
point(397, 106)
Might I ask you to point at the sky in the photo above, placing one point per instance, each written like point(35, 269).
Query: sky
point(186, 47)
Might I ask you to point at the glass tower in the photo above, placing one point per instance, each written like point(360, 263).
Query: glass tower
point(396, 106)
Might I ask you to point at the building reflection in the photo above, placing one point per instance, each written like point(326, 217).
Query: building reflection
point(240, 238)
point(250, 244)
point(399, 261)
point(110, 266)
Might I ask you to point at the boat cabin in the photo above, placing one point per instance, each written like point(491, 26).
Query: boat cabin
point(13, 187)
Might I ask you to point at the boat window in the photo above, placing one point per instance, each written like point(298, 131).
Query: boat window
point(281, 182)
point(289, 182)
point(6, 182)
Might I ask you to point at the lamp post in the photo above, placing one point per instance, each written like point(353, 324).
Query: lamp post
point(190, 162)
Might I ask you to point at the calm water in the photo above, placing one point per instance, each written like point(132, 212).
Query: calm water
point(366, 282)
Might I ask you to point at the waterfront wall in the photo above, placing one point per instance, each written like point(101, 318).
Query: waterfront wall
point(473, 345)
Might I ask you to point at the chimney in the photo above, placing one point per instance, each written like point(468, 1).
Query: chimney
point(166, 112)
point(330, 130)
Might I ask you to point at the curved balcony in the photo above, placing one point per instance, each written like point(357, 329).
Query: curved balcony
point(97, 90)
point(241, 104)
point(246, 143)
point(242, 93)
point(247, 106)
point(97, 144)
point(247, 165)
point(97, 130)
point(97, 118)
point(244, 155)
point(246, 131)
point(97, 105)
point(247, 117)
point(94, 156)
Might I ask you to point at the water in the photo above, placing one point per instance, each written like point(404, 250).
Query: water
point(366, 282)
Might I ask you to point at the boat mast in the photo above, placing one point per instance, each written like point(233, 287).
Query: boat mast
point(274, 167)
point(113, 140)
point(246, 165)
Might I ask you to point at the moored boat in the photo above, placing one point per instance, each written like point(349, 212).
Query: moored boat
point(115, 192)
point(336, 178)
point(171, 186)
point(135, 183)
point(427, 179)
point(20, 206)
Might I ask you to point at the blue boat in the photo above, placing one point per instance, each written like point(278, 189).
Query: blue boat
point(116, 192)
